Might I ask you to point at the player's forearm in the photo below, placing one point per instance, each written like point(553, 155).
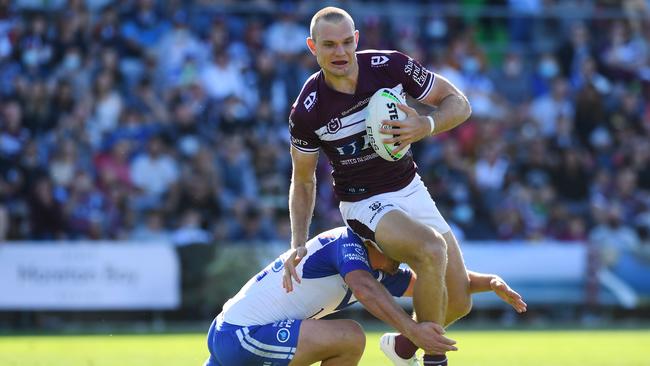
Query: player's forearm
point(480, 282)
point(379, 302)
point(453, 110)
point(301, 207)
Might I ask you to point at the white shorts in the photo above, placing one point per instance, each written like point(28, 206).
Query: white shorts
point(414, 200)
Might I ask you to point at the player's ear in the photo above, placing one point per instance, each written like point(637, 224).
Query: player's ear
point(311, 44)
point(356, 37)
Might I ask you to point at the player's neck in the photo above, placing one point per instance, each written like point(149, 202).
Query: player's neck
point(344, 84)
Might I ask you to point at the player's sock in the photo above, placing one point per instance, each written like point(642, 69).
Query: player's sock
point(404, 347)
point(435, 360)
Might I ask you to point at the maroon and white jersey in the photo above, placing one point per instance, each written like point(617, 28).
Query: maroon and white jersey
point(323, 118)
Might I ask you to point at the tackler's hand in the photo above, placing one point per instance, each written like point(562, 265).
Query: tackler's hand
point(290, 264)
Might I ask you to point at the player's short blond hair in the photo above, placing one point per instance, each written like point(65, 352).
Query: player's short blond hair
point(330, 14)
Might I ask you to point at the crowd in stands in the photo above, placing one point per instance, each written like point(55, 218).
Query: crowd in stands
point(153, 120)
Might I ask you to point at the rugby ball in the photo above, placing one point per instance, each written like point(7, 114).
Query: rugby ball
point(383, 106)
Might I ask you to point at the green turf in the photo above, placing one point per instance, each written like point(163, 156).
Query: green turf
point(477, 348)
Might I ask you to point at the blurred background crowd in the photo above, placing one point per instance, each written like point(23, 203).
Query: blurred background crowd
point(153, 120)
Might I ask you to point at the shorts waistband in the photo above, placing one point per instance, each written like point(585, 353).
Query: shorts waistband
point(223, 325)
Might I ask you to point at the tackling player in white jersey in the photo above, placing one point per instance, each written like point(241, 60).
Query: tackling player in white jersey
point(264, 325)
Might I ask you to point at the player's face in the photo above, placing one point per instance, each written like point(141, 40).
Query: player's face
point(334, 44)
point(380, 261)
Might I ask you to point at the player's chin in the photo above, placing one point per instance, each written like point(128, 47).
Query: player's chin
point(339, 69)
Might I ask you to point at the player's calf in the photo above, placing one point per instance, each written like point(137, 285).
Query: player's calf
point(457, 307)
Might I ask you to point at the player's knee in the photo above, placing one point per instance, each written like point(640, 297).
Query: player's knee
point(354, 338)
point(431, 253)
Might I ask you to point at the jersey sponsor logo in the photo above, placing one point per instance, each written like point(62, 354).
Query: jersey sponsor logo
point(359, 251)
point(354, 147)
point(418, 74)
point(298, 142)
point(261, 275)
point(310, 101)
point(277, 265)
point(333, 125)
point(378, 60)
point(350, 257)
point(360, 159)
point(356, 106)
point(284, 323)
point(283, 335)
point(347, 245)
point(357, 190)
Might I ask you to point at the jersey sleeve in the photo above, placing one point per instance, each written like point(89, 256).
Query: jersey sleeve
point(415, 78)
point(397, 283)
point(352, 256)
point(302, 138)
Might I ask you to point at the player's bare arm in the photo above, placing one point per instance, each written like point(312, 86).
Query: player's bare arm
point(481, 282)
point(379, 302)
point(453, 108)
point(302, 194)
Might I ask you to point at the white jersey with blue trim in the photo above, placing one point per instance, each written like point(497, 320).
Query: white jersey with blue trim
point(322, 291)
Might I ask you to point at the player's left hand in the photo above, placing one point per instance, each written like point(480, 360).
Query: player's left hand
point(296, 255)
point(411, 129)
point(501, 288)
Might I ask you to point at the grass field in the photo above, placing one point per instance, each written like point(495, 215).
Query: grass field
point(477, 348)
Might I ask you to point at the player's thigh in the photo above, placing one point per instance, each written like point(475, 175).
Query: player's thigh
point(403, 238)
point(271, 344)
point(323, 339)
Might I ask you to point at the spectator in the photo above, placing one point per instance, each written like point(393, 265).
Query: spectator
point(612, 235)
point(175, 47)
point(46, 217)
point(153, 173)
point(190, 230)
point(222, 77)
point(64, 164)
point(4, 223)
point(286, 37)
point(547, 109)
point(13, 135)
point(113, 167)
point(240, 183)
point(152, 230)
point(512, 80)
point(89, 212)
point(107, 108)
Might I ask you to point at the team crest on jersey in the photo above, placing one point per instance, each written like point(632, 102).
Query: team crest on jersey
point(283, 335)
point(310, 101)
point(375, 205)
point(333, 125)
point(379, 60)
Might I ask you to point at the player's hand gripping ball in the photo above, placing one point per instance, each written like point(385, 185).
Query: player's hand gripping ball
point(383, 106)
